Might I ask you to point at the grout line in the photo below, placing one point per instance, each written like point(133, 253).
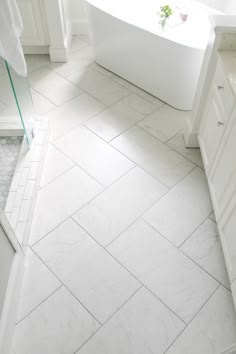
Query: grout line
point(139, 281)
point(29, 313)
point(186, 255)
point(51, 270)
point(205, 303)
point(60, 175)
point(119, 308)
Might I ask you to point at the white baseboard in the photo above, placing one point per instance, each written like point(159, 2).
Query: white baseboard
point(36, 49)
point(80, 27)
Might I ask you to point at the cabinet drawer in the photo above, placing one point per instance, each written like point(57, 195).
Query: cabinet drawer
point(212, 129)
point(224, 91)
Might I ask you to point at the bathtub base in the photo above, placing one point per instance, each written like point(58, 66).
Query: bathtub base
point(163, 68)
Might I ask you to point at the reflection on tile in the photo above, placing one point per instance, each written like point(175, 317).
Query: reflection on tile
point(96, 157)
point(143, 326)
point(121, 204)
point(177, 281)
point(98, 85)
point(91, 274)
point(178, 144)
point(77, 44)
point(52, 86)
point(72, 113)
point(38, 284)
point(212, 331)
point(120, 116)
point(156, 158)
point(165, 123)
point(183, 209)
point(138, 91)
point(204, 247)
point(60, 325)
point(60, 199)
point(55, 164)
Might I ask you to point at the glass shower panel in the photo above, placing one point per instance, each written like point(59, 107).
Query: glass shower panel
point(16, 106)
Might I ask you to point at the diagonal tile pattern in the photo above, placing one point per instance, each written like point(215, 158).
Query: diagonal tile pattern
point(124, 255)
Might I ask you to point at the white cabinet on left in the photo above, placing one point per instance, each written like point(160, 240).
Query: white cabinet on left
point(35, 32)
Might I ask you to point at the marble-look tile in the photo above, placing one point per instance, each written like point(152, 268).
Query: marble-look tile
point(152, 155)
point(168, 273)
point(118, 206)
point(38, 284)
point(55, 164)
point(96, 157)
point(183, 209)
point(41, 104)
point(53, 86)
point(98, 85)
point(143, 326)
point(36, 61)
point(72, 113)
point(164, 123)
point(60, 325)
point(91, 274)
point(178, 144)
point(60, 199)
point(138, 91)
point(212, 331)
point(120, 116)
point(204, 247)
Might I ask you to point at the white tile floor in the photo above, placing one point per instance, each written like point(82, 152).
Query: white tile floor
point(124, 255)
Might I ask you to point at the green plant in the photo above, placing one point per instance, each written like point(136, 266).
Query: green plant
point(165, 12)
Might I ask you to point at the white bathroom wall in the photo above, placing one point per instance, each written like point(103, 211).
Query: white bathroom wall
point(79, 16)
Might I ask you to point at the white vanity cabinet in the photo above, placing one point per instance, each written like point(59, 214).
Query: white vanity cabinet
point(47, 28)
point(217, 139)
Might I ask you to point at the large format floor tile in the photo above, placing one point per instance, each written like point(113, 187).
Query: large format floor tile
point(164, 123)
point(143, 326)
point(91, 274)
point(52, 86)
point(72, 113)
point(38, 284)
point(55, 164)
point(120, 116)
point(183, 209)
point(98, 85)
point(204, 247)
point(60, 325)
point(95, 156)
point(212, 331)
point(60, 199)
point(120, 205)
point(177, 281)
point(155, 157)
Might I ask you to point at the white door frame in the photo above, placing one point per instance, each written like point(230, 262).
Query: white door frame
point(9, 311)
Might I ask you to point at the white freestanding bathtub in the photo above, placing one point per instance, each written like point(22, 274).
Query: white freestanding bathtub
point(127, 40)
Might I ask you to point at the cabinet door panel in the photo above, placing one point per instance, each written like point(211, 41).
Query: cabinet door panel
point(212, 130)
point(223, 175)
point(33, 32)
